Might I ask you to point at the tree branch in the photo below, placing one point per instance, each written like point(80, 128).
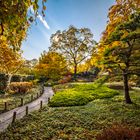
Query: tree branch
point(2, 29)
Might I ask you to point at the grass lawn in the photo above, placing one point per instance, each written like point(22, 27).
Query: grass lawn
point(76, 94)
point(14, 100)
point(76, 122)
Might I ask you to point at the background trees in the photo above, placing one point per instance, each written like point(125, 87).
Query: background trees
point(14, 23)
point(28, 67)
point(74, 44)
point(52, 65)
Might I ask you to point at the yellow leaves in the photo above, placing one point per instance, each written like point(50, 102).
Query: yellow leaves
point(44, 7)
point(116, 43)
point(110, 70)
point(98, 56)
point(9, 60)
point(125, 33)
point(41, 67)
point(119, 13)
point(2, 38)
point(14, 19)
point(21, 87)
point(51, 65)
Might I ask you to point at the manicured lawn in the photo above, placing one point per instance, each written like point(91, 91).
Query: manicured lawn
point(14, 100)
point(76, 94)
point(76, 122)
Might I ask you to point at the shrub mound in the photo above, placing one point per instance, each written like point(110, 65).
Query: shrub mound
point(79, 94)
point(119, 132)
point(20, 87)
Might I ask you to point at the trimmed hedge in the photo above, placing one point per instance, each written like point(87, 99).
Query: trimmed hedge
point(16, 78)
point(19, 78)
point(20, 87)
point(79, 94)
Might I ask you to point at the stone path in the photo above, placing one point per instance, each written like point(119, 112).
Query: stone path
point(6, 118)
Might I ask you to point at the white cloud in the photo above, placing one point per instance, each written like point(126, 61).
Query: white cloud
point(43, 21)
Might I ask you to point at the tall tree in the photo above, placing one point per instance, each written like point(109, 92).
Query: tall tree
point(15, 20)
point(118, 13)
point(14, 23)
point(51, 65)
point(75, 44)
point(111, 52)
point(10, 61)
point(122, 50)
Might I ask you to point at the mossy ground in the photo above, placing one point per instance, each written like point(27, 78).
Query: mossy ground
point(76, 122)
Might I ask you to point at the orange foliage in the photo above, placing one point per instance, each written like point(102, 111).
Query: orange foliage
point(119, 132)
point(20, 87)
point(10, 60)
point(65, 79)
point(120, 12)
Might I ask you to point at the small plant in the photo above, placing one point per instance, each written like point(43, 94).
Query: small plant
point(65, 79)
point(51, 83)
point(35, 82)
point(21, 87)
point(99, 82)
point(119, 132)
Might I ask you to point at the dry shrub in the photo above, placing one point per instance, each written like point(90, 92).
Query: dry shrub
point(66, 79)
point(21, 87)
point(119, 132)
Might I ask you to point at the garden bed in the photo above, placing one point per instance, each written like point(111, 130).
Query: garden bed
point(78, 122)
point(14, 100)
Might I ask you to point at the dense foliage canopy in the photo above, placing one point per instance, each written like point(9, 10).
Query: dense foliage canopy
point(74, 44)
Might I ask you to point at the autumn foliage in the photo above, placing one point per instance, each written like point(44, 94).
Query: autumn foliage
point(52, 65)
point(20, 87)
point(119, 132)
point(65, 79)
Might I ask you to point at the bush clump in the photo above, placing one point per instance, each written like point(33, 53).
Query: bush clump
point(79, 94)
point(65, 79)
point(50, 83)
point(119, 132)
point(20, 87)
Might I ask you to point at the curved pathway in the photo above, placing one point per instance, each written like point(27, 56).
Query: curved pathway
point(6, 118)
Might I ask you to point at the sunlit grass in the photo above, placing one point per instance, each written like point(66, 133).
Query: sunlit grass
point(77, 122)
point(79, 94)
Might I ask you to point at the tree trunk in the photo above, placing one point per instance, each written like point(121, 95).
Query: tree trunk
point(75, 72)
point(8, 82)
point(126, 89)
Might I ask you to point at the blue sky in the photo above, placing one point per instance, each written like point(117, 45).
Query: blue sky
point(60, 14)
